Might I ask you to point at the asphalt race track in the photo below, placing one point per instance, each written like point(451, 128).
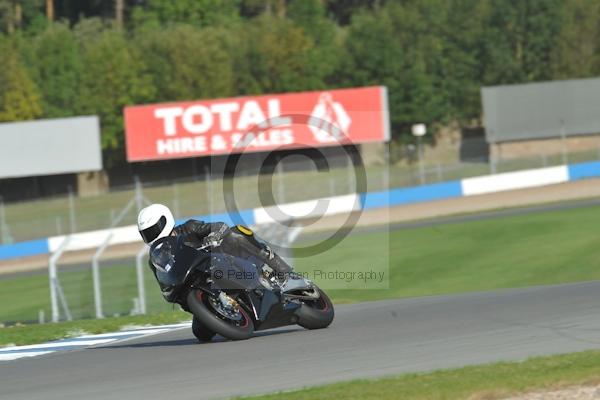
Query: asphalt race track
point(365, 340)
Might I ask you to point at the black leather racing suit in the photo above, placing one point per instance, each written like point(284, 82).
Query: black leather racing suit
point(237, 241)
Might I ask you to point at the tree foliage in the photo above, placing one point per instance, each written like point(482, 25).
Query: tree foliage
point(19, 97)
point(194, 12)
point(432, 55)
point(281, 53)
point(57, 70)
point(187, 63)
point(114, 76)
point(519, 38)
point(577, 49)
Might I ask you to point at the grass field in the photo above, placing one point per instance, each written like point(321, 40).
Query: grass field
point(535, 249)
point(486, 382)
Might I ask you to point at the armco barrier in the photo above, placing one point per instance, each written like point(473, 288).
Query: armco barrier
point(395, 197)
point(584, 170)
point(309, 208)
point(24, 249)
point(338, 204)
point(130, 234)
point(88, 240)
point(514, 180)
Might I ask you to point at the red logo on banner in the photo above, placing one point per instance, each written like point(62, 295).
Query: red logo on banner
point(260, 123)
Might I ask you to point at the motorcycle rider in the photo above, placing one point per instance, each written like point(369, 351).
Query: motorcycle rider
point(156, 221)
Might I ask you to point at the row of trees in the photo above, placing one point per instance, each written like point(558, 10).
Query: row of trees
point(433, 55)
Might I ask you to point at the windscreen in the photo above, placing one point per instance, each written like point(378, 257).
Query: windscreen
point(173, 259)
point(162, 256)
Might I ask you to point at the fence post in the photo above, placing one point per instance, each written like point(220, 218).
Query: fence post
point(208, 184)
point(350, 170)
point(53, 298)
point(139, 268)
point(139, 196)
point(176, 200)
point(493, 167)
point(63, 302)
point(54, 285)
point(72, 211)
point(58, 225)
point(385, 178)
point(6, 238)
point(563, 141)
point(280, 186)
point(386, 166)
point(421, 167)
point(96, 276)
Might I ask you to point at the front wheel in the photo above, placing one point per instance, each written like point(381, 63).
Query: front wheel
point(202, 333)
point(234, 324)
point(316, 314)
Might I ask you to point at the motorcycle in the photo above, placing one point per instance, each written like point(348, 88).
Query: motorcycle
point(232, 296)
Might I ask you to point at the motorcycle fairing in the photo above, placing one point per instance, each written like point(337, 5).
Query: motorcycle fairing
point(174, 263)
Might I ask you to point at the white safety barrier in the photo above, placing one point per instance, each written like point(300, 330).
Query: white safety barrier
point(88, 240)
point(514, 180)
point(307, 209)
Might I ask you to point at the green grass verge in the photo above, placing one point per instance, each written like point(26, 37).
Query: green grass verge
point(492, 381)
point(535, 249)
point(525, 250)
point(30, 334)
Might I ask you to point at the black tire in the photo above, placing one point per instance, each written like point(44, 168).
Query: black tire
point(201, 332)
point(196, 300)
point(318, 314)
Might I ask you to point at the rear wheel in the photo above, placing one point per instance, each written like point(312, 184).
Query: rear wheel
point(232, 323)
point(201, 332)
point(316, 314)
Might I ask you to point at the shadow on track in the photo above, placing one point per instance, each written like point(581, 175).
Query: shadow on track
point(192, 341)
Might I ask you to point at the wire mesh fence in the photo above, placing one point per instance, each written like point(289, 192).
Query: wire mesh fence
point(119, 289)
point(205, 195)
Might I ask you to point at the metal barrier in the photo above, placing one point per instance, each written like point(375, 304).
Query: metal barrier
point(56, 292)
point(139, 269)
point(138, 200)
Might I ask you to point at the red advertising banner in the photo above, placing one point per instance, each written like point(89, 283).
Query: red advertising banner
point(257, 123)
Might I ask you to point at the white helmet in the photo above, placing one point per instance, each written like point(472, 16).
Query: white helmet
point(154, 222)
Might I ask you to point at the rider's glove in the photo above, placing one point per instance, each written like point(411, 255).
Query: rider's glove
point(213, 240)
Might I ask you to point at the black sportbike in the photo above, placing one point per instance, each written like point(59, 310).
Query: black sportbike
point(232, 296)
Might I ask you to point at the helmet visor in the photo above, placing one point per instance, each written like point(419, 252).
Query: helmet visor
point(150, 234)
